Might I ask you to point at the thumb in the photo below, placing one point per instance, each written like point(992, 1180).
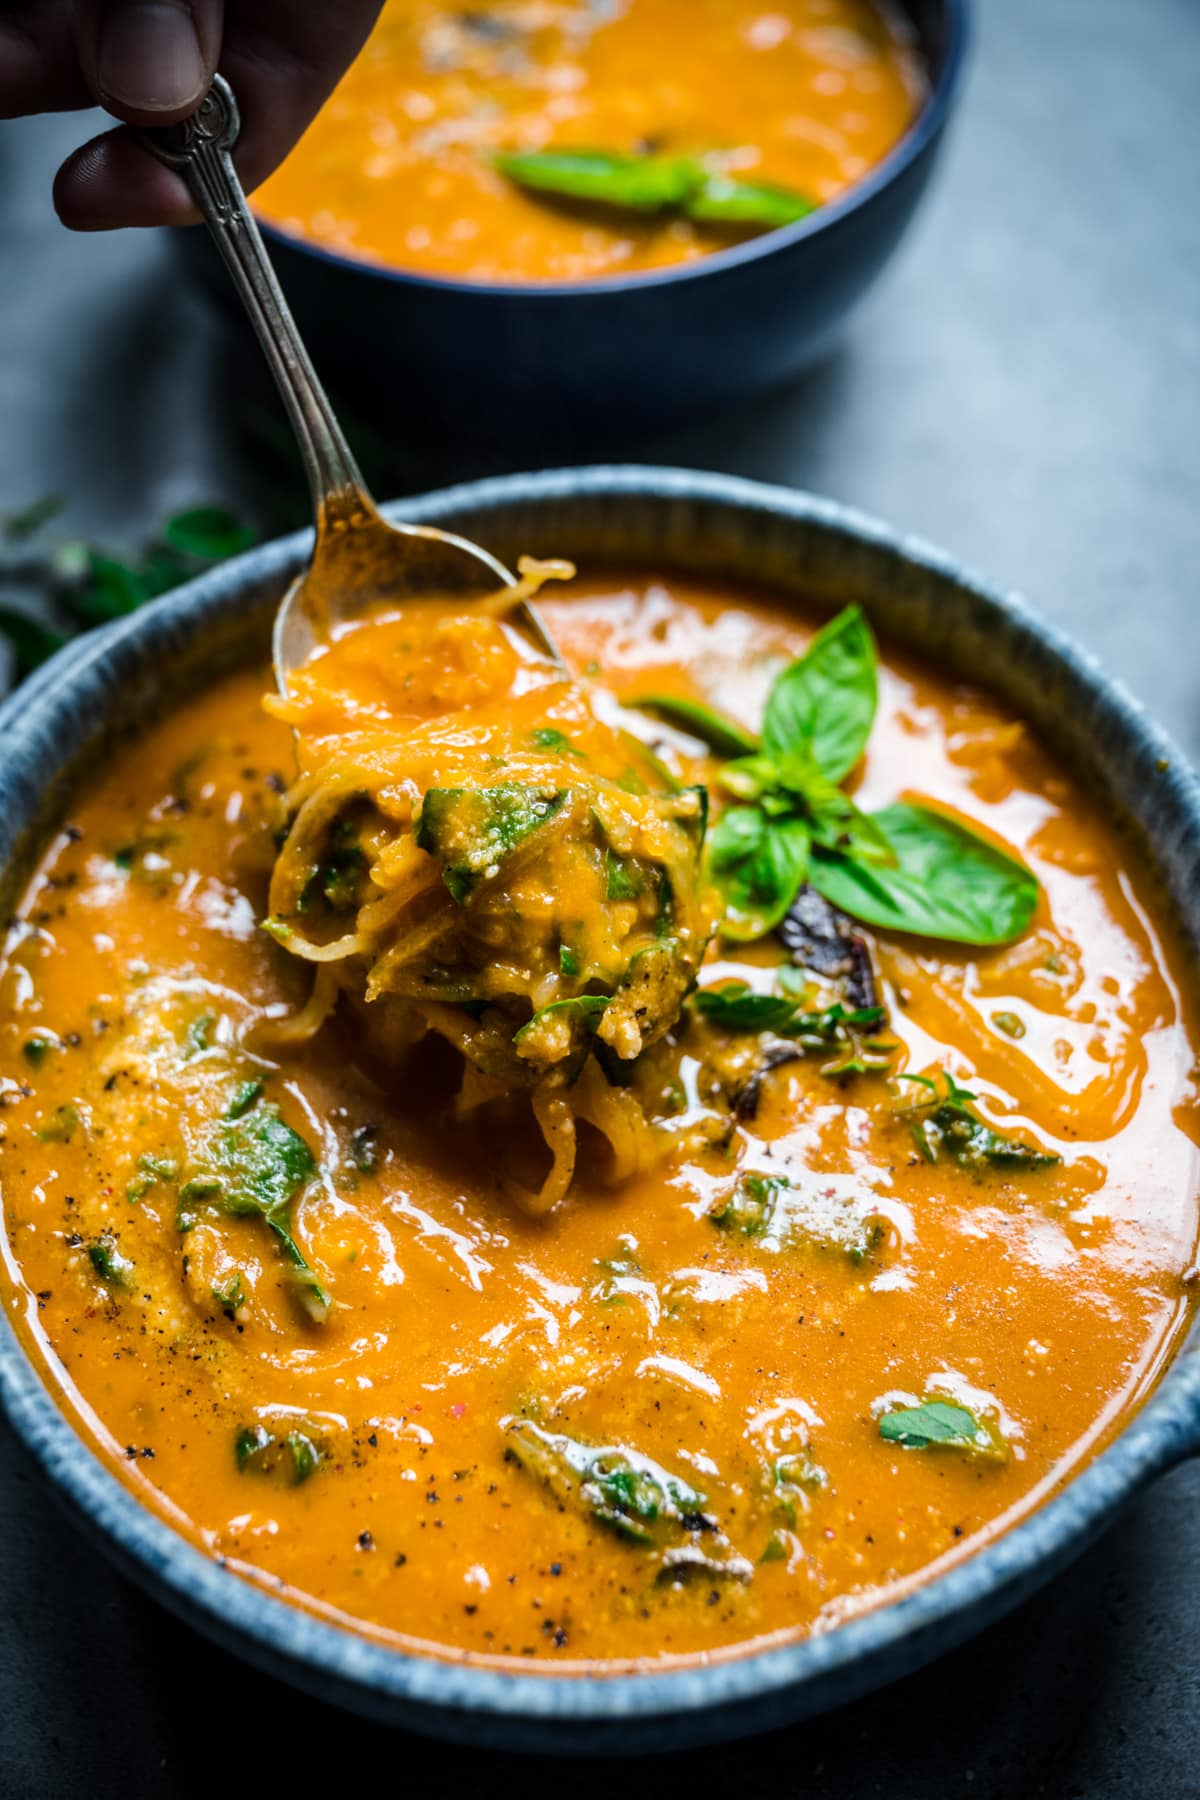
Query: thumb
point(148, 61)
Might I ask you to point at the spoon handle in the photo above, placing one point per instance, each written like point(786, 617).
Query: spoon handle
point(199, 149)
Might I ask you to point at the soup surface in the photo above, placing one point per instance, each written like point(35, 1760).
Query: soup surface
point(398, 167)
point(832, 1337)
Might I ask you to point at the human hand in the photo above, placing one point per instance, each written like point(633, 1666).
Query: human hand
point(149, 62)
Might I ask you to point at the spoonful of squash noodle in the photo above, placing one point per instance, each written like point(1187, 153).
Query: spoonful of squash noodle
point(477, 847)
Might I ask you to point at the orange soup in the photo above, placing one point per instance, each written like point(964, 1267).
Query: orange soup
point(804, 96)
point(869, 1238)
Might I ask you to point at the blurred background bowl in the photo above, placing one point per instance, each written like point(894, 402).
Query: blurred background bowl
point(567, 364)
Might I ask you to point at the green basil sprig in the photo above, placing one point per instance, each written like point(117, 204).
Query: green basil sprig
point(907, 868)
point(654, 184)
point(77, 586)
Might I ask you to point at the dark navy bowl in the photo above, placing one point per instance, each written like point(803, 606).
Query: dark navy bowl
point(565, 363)
point(66, 723)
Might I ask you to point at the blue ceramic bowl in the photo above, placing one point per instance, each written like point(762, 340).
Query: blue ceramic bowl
point(66, 723)
point(565, 364)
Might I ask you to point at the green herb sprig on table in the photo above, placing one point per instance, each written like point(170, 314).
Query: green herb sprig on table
point(654, 184)
point(77, 586)
point(905, 868)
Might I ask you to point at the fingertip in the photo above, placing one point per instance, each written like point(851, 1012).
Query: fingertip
point(112, 182)
point(149, 61)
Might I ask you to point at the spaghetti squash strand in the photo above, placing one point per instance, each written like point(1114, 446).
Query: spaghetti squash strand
point(471, 852)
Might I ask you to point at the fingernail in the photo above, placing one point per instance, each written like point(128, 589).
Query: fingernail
point(149, 57)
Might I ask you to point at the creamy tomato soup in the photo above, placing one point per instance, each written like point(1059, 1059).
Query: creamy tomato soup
point(400, 167)
point(550, 1240)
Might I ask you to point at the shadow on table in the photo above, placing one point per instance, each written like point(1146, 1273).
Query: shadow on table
point(235, 414)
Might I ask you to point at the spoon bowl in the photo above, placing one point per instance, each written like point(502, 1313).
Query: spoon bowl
point(369, 563)
point(358, 558)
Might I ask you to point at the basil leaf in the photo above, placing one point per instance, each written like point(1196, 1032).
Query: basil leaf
point(85, 587)
point(230, 1294)
point(769, 1208)
point(736, 1007)
point(837, 823)
point(260, 1162)
point(649, 184)
point(947, 1124)
point(937, 1425)
point(737, 834)
point(559, 1035)
point(254, 1163)
point(853, 1036)
point(209, 533)
point(757, 864)
point(113, 589)
point(32, 642)
point(724, 736)
point(946, 883)
point(244, 1098)
point(791, 1481)
point(292, 1456)
point(724, 201)
point(584, 1009)
point(621, 1489)
point(637, 183)
point(549, 737)
point(16, 527)
point(472, 830)
point(750, 1208)
point(306, 1457)
point(753, 777)
point(115, 1270)
point(151, 1170)
point(825, 703)
point(60, 1127)
point(622, 877)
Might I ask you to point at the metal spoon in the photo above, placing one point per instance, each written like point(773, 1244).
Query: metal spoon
point(358, 558)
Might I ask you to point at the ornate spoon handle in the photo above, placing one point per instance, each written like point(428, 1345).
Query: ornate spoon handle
point(199, 148)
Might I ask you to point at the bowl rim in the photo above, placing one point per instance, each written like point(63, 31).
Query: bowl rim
point(921, 133)
point(452, 1697)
